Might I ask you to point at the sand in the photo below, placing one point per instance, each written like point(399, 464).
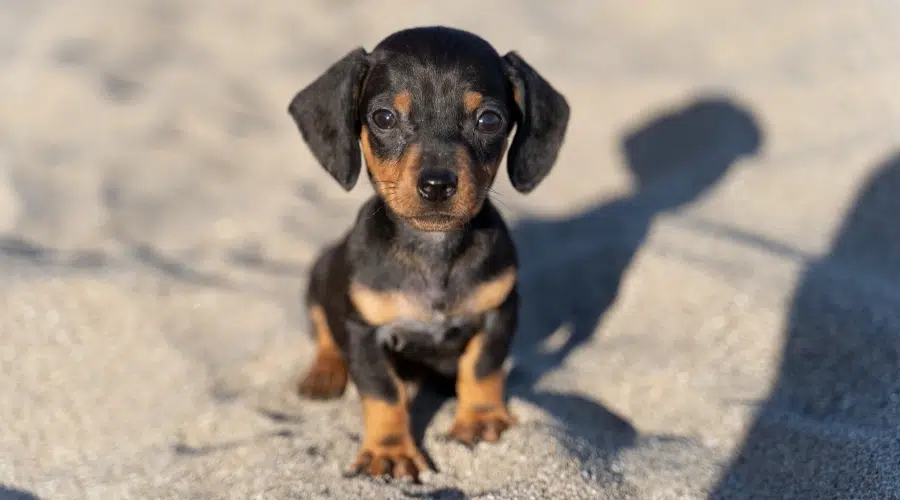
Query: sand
point(711, 306)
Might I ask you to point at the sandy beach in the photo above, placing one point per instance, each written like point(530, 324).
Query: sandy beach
point(710, 275)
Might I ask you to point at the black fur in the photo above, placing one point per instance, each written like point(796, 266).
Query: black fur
point(326, 115)
point(542, 123)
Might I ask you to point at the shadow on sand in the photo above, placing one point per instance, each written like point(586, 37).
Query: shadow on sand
point(15, 494)
point(831, 425)
point(571, 269)
point(146, 256)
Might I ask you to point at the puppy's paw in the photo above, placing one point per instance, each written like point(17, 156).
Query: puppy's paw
point(486, 423)
point(326, 379)
point(394, 458)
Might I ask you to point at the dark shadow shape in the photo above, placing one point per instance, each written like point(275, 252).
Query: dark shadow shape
point(139, 254)
point(150, 257)
point(439, 494)
point(253, 260)
point(194, 451)
point(571, 269)
point(19, 248)
point(831, 425)
point(176, 269)
point(89, 260)
point(432, 394)
point(7, 493)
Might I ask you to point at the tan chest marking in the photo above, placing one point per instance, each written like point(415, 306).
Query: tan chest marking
point(486, 296)
point(382, 307)
point(379, 307)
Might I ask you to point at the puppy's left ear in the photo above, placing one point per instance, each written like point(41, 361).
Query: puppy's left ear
point(542, 118)
point(326, 114)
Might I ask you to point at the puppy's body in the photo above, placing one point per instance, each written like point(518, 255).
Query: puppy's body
point(415, 289)
point(425, 280)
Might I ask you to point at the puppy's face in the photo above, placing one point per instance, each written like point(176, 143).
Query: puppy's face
point(434, 128)
point(431, 110)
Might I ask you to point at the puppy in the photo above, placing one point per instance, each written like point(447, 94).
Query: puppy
point(425, 280)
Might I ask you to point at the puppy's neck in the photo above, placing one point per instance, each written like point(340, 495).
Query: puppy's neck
point(434, 246)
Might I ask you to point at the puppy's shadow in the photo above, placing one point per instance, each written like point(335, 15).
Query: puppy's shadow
point(571, 269)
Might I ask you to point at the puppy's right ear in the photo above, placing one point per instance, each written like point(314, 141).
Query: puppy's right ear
point(543, 116)
point(326, 114)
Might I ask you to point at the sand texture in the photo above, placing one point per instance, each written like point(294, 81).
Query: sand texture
point(710, 275)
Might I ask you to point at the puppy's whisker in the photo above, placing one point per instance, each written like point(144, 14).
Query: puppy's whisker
point(373, 213)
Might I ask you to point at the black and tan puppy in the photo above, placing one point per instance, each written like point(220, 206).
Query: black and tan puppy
point(425, 280)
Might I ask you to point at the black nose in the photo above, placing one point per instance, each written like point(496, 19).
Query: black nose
point(437, 185)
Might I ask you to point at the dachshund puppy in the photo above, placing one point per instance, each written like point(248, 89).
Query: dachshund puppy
point(425, 279)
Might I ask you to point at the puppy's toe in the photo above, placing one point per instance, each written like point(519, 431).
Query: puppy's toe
point(402, 461)
point(472, 427)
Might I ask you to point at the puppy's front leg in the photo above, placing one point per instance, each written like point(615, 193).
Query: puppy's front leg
point(481, 413)
point(388, 447)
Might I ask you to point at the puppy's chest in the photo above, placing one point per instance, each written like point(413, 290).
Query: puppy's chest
point(414, 298)
point(429, 298)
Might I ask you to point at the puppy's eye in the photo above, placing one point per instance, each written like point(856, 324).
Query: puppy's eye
point(384, 119)
point(489, 122)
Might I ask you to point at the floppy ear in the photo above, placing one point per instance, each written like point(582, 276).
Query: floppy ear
point(326, 114)
point(543, 115)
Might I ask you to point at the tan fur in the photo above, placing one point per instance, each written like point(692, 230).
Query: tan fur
point(518, 98)
point(471, 100)
point(388, 446)
point(328, 375)
point(396, 182)
point(481, 412)
point(488, 295)
point(380, 308)
point(383, 307)
point(403, 102)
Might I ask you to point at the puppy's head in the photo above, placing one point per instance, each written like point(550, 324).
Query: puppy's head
point(432, 109)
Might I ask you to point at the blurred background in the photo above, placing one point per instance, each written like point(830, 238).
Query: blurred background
point(711, 306)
